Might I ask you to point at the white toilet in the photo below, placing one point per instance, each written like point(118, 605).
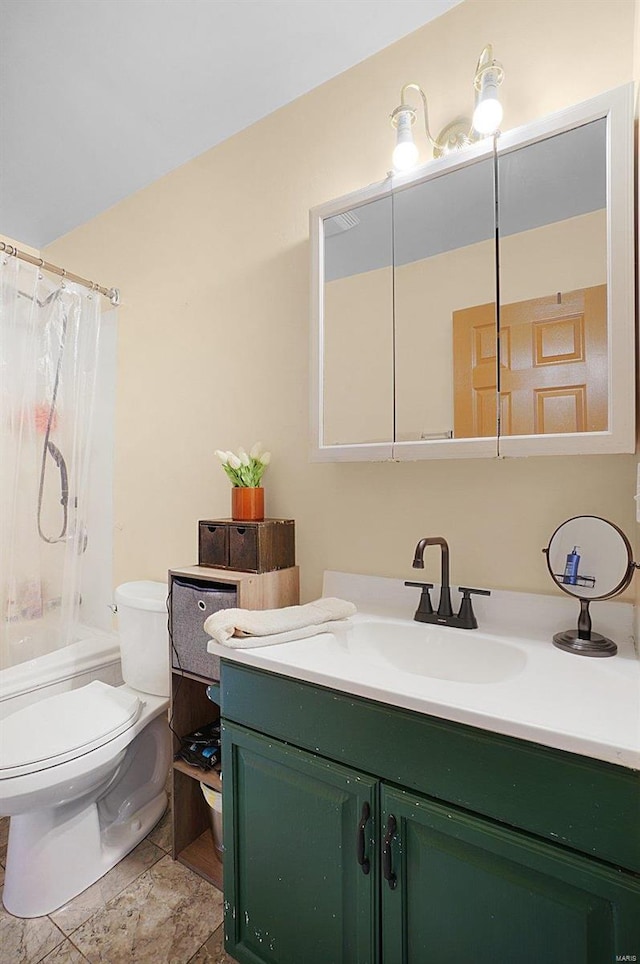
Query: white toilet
point(82, 774)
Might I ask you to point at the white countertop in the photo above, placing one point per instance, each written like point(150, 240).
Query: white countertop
point(589, 706)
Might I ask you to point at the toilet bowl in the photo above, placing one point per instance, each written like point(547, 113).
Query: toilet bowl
point(83, 773)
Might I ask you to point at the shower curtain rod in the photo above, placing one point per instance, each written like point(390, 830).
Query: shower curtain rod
point(113, 294)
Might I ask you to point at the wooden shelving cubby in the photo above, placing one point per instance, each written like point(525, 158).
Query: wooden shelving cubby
point(191, 708)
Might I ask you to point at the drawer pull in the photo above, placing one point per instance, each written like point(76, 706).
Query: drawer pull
point(388, 874)
point(362, 860)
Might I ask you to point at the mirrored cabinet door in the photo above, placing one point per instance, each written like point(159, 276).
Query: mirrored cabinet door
point(445, 306)
point(357, 326)
point(552, 204)
point(565, 227)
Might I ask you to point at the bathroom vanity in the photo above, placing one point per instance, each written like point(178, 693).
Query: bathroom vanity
point(367, 825)
point(376, 828)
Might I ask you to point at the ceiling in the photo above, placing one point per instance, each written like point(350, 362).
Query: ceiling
point(102, 97)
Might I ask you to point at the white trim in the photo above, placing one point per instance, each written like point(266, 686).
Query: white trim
point(447, 448)
point(358, 452)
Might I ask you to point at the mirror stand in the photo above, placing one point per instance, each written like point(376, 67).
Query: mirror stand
point(589, 558)
point(582, 640)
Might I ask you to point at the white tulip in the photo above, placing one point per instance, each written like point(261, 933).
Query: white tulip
point(224, 458)
point(256, 450)
point(234, 461)
point(244, 458)
point(265, 458)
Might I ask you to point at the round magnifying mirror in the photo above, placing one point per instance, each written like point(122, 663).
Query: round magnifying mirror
point(589, 558)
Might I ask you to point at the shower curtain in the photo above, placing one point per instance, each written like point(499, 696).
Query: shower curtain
point(49, 338)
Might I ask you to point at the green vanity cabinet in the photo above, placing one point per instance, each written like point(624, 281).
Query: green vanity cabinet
point(479, 847)
point(297, 889)
point(465, 889)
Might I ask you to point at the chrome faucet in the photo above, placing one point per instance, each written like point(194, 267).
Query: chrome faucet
point(444, 616)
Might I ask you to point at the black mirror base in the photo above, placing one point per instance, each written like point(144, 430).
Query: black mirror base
point(597, 645)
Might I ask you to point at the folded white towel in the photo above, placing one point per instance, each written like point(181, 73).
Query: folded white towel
point(253, 642)
point(245, 628)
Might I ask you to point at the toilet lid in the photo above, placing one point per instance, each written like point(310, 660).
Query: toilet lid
point(65, 726)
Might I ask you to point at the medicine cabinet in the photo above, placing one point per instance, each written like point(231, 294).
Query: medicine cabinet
point(483, 304)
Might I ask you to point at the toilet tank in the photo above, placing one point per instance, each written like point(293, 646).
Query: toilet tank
point(144, 638)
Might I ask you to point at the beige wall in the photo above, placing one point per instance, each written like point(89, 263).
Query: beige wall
point(213, 263)
point(636, 76)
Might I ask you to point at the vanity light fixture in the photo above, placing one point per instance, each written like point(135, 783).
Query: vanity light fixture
point(461, 132)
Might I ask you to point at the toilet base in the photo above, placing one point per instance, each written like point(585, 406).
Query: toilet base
point(41, 872)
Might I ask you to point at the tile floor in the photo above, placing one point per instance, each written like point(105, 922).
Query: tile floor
point(147, 910)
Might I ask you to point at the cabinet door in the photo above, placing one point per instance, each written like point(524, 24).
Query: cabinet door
point(469, 890)
point(294, 890)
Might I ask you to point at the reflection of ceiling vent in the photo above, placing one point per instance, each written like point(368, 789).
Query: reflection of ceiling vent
point(341, 222)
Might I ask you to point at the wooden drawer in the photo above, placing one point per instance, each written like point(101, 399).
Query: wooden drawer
point(243, 547)
point(247, 546)
point(213, 543)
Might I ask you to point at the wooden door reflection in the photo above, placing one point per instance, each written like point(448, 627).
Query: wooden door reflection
point(553, 366)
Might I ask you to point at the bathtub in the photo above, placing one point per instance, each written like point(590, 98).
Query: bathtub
point(95, 656)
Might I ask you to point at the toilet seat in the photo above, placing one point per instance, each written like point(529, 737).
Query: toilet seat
point(66, 726)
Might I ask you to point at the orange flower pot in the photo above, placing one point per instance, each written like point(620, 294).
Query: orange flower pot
point(247, 504)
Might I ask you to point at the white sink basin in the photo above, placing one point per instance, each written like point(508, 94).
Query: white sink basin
point(419, 649)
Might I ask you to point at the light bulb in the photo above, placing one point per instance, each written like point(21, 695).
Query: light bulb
point(488, 112)
point(405, 153)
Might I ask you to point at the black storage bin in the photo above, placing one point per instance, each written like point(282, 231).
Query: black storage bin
point(191, 603)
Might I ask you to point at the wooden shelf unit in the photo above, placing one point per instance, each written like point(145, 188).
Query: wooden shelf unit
point(191, 708)
point(202, 857)
point(211, 779)
point(192, 840)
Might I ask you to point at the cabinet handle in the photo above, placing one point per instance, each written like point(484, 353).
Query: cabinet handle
point(362, 860)
point(388, 874)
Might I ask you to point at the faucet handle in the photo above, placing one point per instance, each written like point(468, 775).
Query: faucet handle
point(466, 613)
point(424, 608)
